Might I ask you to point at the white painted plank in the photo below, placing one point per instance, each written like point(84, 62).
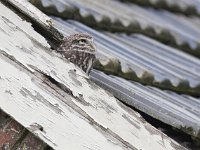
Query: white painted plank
point(41, 20)
point(30, 103)
point(28, 9)
point(75, 122)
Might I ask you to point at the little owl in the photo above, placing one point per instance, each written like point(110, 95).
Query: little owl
point(79, 49)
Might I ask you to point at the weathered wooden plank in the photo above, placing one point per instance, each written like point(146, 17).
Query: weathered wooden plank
point(32, 12)
point(42, 111)
point(179, 111)
point(43, 22)
point(87, 117)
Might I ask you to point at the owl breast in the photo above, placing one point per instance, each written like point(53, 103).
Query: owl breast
point(79, 49)
point(82, 59)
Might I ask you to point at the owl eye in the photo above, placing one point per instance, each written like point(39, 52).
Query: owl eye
point(82, 41)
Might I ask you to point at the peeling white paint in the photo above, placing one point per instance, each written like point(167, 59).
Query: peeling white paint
point(64, 127)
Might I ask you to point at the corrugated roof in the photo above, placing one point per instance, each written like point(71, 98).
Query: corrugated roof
point(140, 58)
point(187, 7)
point(180, 111)
point(144, 55)
point(113, 15)
point(55, 100)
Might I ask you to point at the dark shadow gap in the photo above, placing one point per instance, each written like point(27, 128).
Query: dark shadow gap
point(179, 136)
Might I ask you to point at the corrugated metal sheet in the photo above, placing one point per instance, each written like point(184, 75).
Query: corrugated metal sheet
point(54, 99)
point(188, 7)
point(140, 58)
point(114, 15)
point(53, 68)
point(180, 111)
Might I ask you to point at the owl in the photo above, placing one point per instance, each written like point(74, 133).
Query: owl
point(79, 49)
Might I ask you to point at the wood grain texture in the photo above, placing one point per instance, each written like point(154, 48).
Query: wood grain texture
point(56, 101)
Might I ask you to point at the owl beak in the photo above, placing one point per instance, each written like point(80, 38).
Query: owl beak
point(92, 45)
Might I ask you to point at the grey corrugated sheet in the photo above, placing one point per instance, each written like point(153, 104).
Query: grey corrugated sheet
point(39, 89)
point(180, 111)
point(142, 59)
point(188, 7)
point(114, 15)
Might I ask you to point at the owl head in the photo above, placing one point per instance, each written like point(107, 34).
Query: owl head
point(79, 49)
point(80, 42)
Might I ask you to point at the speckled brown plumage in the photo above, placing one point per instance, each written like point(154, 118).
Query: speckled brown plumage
point(79, 49)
